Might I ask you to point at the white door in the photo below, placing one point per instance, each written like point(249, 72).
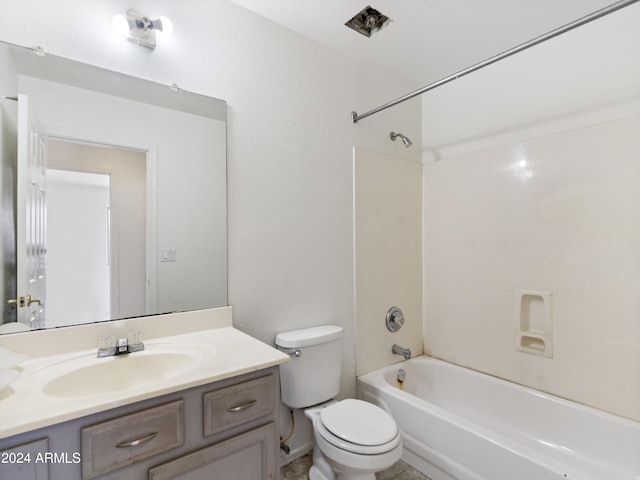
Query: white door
point(31, 216)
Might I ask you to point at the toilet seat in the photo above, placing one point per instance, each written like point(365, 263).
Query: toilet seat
point(358, 427)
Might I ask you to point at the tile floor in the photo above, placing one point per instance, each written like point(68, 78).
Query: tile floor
point(298, 469)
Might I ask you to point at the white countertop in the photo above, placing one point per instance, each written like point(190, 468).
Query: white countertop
point(25, 406)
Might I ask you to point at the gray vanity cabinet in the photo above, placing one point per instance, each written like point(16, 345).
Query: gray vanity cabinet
point(227, 430)
point(249, 456)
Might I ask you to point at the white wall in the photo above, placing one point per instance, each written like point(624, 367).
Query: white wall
point(535, 186)
point(290, 140)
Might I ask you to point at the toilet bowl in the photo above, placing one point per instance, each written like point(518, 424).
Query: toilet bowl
point(353, 439)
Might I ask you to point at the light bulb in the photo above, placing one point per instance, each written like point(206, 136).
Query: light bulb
point(167, 25)
point(120, 24)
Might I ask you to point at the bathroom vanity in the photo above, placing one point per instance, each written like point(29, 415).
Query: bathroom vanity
point(214, 418)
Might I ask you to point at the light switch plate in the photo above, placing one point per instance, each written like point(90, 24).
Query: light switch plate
point(168, 255)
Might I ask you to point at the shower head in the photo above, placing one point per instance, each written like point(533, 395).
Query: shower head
point(405, 140)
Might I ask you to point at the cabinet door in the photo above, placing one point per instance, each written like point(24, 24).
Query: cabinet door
point(25, 462)
point(250, 456)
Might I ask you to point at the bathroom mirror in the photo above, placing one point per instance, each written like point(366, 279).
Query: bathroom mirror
point(113, 193)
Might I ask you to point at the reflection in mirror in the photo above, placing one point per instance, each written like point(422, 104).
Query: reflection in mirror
point(113, 195)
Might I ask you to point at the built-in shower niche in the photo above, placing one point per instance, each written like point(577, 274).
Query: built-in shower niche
point(533, 319)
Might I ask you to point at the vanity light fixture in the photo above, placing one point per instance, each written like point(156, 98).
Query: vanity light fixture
point(140, 29)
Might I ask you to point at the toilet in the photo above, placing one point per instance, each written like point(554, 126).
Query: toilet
point(353, 439)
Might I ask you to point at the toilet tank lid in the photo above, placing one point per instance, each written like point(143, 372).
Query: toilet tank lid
point(308, 336)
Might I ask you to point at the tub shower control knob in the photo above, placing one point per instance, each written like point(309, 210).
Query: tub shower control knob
point(395, 319)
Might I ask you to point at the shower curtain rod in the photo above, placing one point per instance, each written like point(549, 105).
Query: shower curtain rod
point(507, 53)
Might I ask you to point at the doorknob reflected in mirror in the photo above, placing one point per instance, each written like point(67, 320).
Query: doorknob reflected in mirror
point(29, 300)
point(24, 301)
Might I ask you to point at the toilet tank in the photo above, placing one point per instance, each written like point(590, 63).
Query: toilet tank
point(312, 375)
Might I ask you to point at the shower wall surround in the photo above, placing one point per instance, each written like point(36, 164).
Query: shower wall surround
point(536, 186)
point(558, 214)
point(388, 251)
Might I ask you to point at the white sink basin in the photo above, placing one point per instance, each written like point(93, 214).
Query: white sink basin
point(88, 375)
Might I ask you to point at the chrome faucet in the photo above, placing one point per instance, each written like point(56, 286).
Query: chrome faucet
point(108, 348)
point(398, 350)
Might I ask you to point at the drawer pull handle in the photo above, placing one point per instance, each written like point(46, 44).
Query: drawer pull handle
point(139, 441)
point(244, 406)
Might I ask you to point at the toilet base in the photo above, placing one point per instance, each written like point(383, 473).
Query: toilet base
point(320, 470)
point(316, 473)
point(366, 476)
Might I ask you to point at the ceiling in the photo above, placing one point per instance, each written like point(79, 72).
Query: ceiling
point(427, 39)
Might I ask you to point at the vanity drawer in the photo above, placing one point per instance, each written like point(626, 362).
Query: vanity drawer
point(122, 441)
point(231, 406)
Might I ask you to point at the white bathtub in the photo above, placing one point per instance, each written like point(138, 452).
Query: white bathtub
point(460, 424)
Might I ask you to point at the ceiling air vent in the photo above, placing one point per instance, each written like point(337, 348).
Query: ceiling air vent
point(368, 21)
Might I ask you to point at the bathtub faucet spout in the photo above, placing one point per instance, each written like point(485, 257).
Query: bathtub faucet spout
point(398, 350)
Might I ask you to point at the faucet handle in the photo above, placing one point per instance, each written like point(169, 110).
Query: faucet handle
point(104, 343)
point(106, 346)
point(135, 341)
point(135, 337)
point(131, 343)
point(394, 319)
